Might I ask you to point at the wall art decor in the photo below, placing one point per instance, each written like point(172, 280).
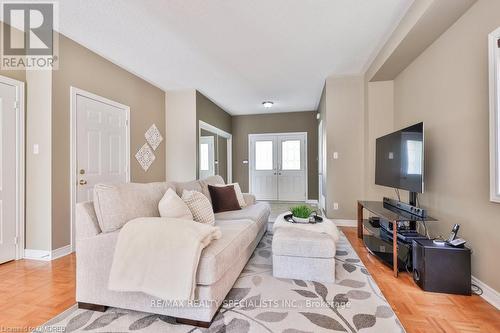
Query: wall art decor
point(145, 156)
point(153, 136)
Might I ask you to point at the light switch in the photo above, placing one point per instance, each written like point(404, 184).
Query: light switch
point(336, 205)
point(36, 149)
point(335, 155)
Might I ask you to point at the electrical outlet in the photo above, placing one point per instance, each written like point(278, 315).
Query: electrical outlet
point(336, 205)
point(335, 155)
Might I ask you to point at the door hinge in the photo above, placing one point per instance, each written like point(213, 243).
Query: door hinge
point(126, 122)
point(16, 240)
point(16, 105)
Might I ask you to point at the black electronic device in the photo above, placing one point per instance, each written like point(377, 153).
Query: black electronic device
point(441, 268)
point(417, 211)
point(454, 232)
point(400, 159)
point(401, 225)
point(374, 221)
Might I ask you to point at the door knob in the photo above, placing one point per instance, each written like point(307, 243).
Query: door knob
point(83, 182)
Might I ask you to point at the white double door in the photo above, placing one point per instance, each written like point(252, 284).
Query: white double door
point(278, 166)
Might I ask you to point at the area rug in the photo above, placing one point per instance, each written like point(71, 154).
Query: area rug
point(259, 302)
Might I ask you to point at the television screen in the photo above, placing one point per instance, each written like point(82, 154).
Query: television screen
point(400, 159)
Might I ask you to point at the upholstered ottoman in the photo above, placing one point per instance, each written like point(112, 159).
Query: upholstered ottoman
point(303, 255)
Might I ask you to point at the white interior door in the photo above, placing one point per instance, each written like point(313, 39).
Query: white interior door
point(102, 146)
point(207, 156)
point(8, 172)
point(278, 166)
point(292, 169)
point(264, 167)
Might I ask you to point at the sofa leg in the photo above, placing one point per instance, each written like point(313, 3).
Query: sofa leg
point(197, 323)
point(92, 307)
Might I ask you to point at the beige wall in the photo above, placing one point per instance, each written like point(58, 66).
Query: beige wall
point(210, 113)
point(181, 136)
point(81, 68)
point(39, 167)
point(379, 121)
point(275, 123)
point(344, 114)
point(447, 88)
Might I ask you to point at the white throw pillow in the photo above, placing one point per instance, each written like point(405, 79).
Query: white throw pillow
point(171, 205)
point(237, 190)
point(200, 206)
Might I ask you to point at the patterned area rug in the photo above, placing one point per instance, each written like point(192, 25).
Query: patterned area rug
point(259, 302)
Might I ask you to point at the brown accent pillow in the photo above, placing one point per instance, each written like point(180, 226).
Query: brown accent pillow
point(223, 198)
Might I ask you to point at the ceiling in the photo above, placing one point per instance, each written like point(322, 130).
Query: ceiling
point(236, 52)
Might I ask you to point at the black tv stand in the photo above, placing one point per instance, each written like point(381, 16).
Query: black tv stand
point(390, 250)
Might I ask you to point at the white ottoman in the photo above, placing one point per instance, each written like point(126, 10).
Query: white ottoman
point(303, 255)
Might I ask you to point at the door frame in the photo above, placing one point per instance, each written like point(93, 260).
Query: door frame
point(20, 163)
point(229, 139)
point(250, 157)
point(74, 92)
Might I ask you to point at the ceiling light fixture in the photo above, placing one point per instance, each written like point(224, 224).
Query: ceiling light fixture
point(268, 104)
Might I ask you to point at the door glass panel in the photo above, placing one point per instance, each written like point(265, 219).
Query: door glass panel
point(263, 155)
point(290, 155)
point(204, 157)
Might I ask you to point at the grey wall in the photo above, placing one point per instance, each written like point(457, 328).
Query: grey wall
point(275, 123)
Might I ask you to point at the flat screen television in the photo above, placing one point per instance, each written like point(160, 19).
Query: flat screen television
point(400, 159)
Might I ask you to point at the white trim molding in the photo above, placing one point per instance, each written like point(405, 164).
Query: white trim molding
point(20, 163)
point(494, 96)
point(43, 255)
point(490, 295)
point(74, 92)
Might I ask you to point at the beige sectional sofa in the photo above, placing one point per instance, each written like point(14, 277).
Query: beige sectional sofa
point(220, 264)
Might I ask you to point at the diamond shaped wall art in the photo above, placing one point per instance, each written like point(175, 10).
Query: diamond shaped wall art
point(153, 136)
point(145, 156)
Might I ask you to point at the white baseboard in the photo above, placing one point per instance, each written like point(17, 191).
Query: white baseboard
point(61, 252)
point(37, 255)
point(490, 295)
point(47, 255)
point(345, 223)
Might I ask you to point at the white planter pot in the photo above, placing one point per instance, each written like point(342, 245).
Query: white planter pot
point(300, 219)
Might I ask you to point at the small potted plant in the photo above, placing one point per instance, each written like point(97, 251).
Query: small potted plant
point(301, 214)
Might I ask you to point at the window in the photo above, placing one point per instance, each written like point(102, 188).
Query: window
point(414, 151)
point(290, 155)
point(494, 74)
point(204, 157)
point(263, 155)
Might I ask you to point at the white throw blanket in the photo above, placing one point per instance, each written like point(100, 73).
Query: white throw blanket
point(159, 256)
point(325, 227)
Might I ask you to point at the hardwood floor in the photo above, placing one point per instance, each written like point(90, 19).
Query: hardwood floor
point(421, 311)
point(32, 292)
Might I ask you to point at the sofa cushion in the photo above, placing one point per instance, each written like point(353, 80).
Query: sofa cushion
point(237, 190)
point(257, 213)
point(199, 185)
point(171, 205)
point(117, 204)
point(220, 255)
point(199, 206)
point(223, 198)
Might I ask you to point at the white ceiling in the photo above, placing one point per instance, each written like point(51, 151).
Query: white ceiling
point(236, 52)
